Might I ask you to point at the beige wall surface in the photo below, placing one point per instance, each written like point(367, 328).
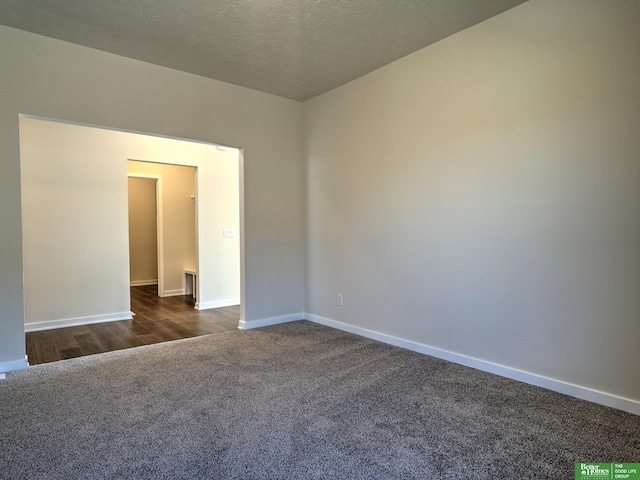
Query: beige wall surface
point(481, 195)
point(143, 232)
point(74, 226)
point(53, 79)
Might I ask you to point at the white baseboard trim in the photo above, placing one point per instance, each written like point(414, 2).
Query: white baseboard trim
point(71, 322)
point(583, 393)
point(265, 322)
point(229, 302)
point(173, 293)
point(142, 283)
point(14, 365)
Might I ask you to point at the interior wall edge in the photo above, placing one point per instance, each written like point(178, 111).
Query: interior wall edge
point(266, 322)
point(228, 302)
point(14, 365)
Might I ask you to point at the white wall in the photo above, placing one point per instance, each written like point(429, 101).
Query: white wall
point(481, 197)
point(53, 79)
point(74, 238)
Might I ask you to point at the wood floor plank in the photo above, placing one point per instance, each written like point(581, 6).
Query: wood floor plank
point(151, 338)
point(90, 344)
point(220, 327)
point(187, 327)
point(157, 320)
point(109, 339)
point(163, 331)
point(139, 326)
point(41, 349)
point(64, 338)
point(68, 353)
point(122, 331)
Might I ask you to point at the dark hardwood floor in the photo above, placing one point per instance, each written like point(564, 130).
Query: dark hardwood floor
point(156, 320)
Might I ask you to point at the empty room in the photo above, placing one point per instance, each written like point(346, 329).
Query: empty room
point(438, 237)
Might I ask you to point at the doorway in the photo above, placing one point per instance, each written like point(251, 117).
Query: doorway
point(163, 226)
point(75, 220)
point(144, 231)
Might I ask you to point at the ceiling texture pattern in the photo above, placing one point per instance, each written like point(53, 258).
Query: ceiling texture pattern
point(292, 48)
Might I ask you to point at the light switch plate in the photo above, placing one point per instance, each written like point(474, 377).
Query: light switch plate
point(228, 233)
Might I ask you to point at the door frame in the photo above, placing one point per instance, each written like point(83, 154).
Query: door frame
point(159, 226)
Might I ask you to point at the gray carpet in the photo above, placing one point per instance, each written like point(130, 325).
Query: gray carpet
point(294, 401)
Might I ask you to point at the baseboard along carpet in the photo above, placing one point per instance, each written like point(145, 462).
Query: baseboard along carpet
point(294, 401)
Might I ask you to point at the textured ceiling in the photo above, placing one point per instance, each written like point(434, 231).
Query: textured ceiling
point(293, 48)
